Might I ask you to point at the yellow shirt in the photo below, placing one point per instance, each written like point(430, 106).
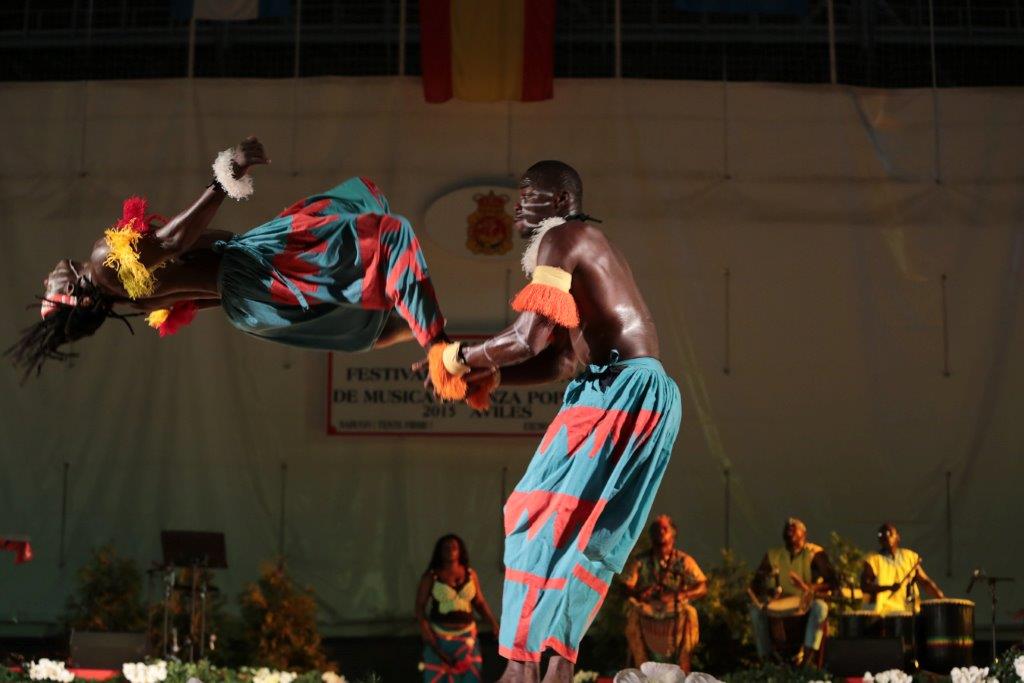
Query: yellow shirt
point(889, 570)
point(799, 564)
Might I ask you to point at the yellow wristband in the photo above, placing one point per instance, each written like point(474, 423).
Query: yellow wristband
point(450, 358)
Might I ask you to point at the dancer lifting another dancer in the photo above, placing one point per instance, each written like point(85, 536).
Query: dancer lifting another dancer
point(334, 271)
point(574, 518)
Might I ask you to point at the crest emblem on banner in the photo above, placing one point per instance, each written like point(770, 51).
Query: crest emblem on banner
point(489, 228)
point(475, 222)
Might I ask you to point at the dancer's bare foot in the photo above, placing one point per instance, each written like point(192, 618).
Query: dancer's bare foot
point(520, 672)
point(559, 670)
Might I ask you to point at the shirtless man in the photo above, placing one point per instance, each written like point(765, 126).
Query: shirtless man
point(333, 271)
point(572, 521)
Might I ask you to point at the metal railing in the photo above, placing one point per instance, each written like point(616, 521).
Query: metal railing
point(864, 42)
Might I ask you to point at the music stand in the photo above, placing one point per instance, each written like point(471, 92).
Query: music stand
point(193, 550)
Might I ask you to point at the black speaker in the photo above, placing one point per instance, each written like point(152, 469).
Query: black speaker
point(854, 656)
point(96, 650)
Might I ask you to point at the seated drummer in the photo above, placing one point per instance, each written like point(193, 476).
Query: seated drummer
point(797, 569)
point(890, 576)
point(661, 584)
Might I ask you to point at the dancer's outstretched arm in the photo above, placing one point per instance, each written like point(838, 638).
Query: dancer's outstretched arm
point(182, 232)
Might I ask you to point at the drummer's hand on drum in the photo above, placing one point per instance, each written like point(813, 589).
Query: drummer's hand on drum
point(799, 583)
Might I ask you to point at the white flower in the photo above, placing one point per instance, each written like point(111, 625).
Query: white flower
point(49, 670)
point(890, 676)
point(584, 677)
point(963, 674)
point(653, 672)
point(1018, 666)
point(332, 677)
point(265, 675)
point(701, 677)
point(140, 672)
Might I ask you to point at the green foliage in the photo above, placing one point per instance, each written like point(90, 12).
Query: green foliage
point(11, 676)
point(207, 672)
point(777, 673)
point(726, 638)
point(848, 560)
point(180, 672)
point(1004, 670)
point(109, 595)
point(280, 622)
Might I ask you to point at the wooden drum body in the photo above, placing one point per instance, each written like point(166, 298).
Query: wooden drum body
point(662, 637)
point(945, 634)
point(787, 623)
point(867, 625)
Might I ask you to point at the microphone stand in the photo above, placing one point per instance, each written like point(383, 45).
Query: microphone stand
point(992, 581)
point(169, 573)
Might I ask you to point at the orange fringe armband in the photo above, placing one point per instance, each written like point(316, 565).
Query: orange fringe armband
point(479, 396)
point(446, 373)
point(548, 294)
point(168, 321)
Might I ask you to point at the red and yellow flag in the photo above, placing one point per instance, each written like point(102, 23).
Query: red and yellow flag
point(487, 50)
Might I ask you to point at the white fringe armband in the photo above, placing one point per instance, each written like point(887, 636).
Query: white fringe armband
point(236, 188)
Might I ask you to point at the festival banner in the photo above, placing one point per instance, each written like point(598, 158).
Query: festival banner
point(378, 394)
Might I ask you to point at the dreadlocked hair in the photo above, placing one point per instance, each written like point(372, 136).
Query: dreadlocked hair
point(43, 340)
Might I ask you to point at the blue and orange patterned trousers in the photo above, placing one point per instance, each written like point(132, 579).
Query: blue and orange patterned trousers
point(572, 521)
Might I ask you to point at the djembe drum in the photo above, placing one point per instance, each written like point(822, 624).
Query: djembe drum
point(787, 622)
point(867, 625)
point(945, 634)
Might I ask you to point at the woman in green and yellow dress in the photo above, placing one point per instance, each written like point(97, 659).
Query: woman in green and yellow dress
point(447, 595)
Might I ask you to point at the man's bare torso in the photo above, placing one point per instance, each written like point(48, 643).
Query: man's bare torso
point(613, 313)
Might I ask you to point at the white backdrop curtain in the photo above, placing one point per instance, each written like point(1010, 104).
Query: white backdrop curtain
point(821, 202)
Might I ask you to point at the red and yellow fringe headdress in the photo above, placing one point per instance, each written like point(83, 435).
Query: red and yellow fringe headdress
point(122, 241)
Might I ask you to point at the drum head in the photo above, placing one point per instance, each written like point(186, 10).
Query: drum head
point(948, 601)
point(784, 606)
